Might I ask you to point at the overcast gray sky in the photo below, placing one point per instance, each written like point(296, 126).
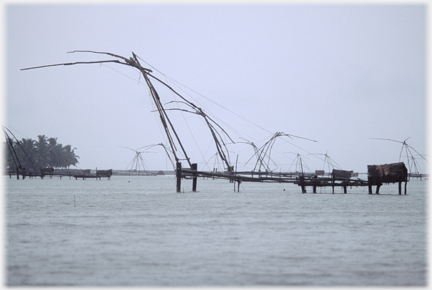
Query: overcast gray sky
point(338, 74)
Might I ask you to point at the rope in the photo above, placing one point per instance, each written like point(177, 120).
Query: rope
point(190, 131)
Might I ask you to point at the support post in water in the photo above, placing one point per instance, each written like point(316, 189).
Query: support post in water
point(302, 183)
point(194, 167)
point(178, 176)
point(333, 181)
point(400, 187)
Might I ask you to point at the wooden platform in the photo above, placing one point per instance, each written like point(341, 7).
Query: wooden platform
point(329, 182)
point(76, 176)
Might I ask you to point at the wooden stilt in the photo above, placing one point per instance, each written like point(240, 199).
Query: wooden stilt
point(194, 166)
point(406, 187)
point(333, 181)
point(178, 176)
point(302, 184)
point(400, 187)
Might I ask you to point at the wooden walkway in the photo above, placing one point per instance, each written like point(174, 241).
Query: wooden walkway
point(329, 182)
point(309, 180)
point(76, 176)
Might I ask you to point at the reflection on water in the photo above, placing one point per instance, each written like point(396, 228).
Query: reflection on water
point(138, 231)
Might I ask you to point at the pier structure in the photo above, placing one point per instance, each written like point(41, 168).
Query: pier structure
point(99, 174)
point(75, 173)
point(301, 179)
point(30, 173)
point(338, 178)
point(333, 181)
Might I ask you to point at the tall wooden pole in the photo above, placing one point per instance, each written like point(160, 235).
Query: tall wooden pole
point(178, 176)
point(194, 180)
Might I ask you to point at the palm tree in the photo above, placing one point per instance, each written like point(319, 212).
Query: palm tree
point(42, 154)
point(26, 151)
point(45, 152)
point(70, 157)
point(55, 152)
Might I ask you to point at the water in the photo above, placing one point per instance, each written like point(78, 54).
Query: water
point(137, 231)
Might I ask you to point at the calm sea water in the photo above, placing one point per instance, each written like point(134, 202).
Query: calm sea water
point(137, 231)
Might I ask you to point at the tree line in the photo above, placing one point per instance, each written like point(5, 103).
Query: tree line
point(41, 153)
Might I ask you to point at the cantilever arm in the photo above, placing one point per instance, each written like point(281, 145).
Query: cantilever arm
point(72, 63)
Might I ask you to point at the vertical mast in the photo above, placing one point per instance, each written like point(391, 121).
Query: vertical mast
point(162, 114)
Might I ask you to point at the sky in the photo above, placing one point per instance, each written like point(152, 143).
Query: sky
point(338, 74)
